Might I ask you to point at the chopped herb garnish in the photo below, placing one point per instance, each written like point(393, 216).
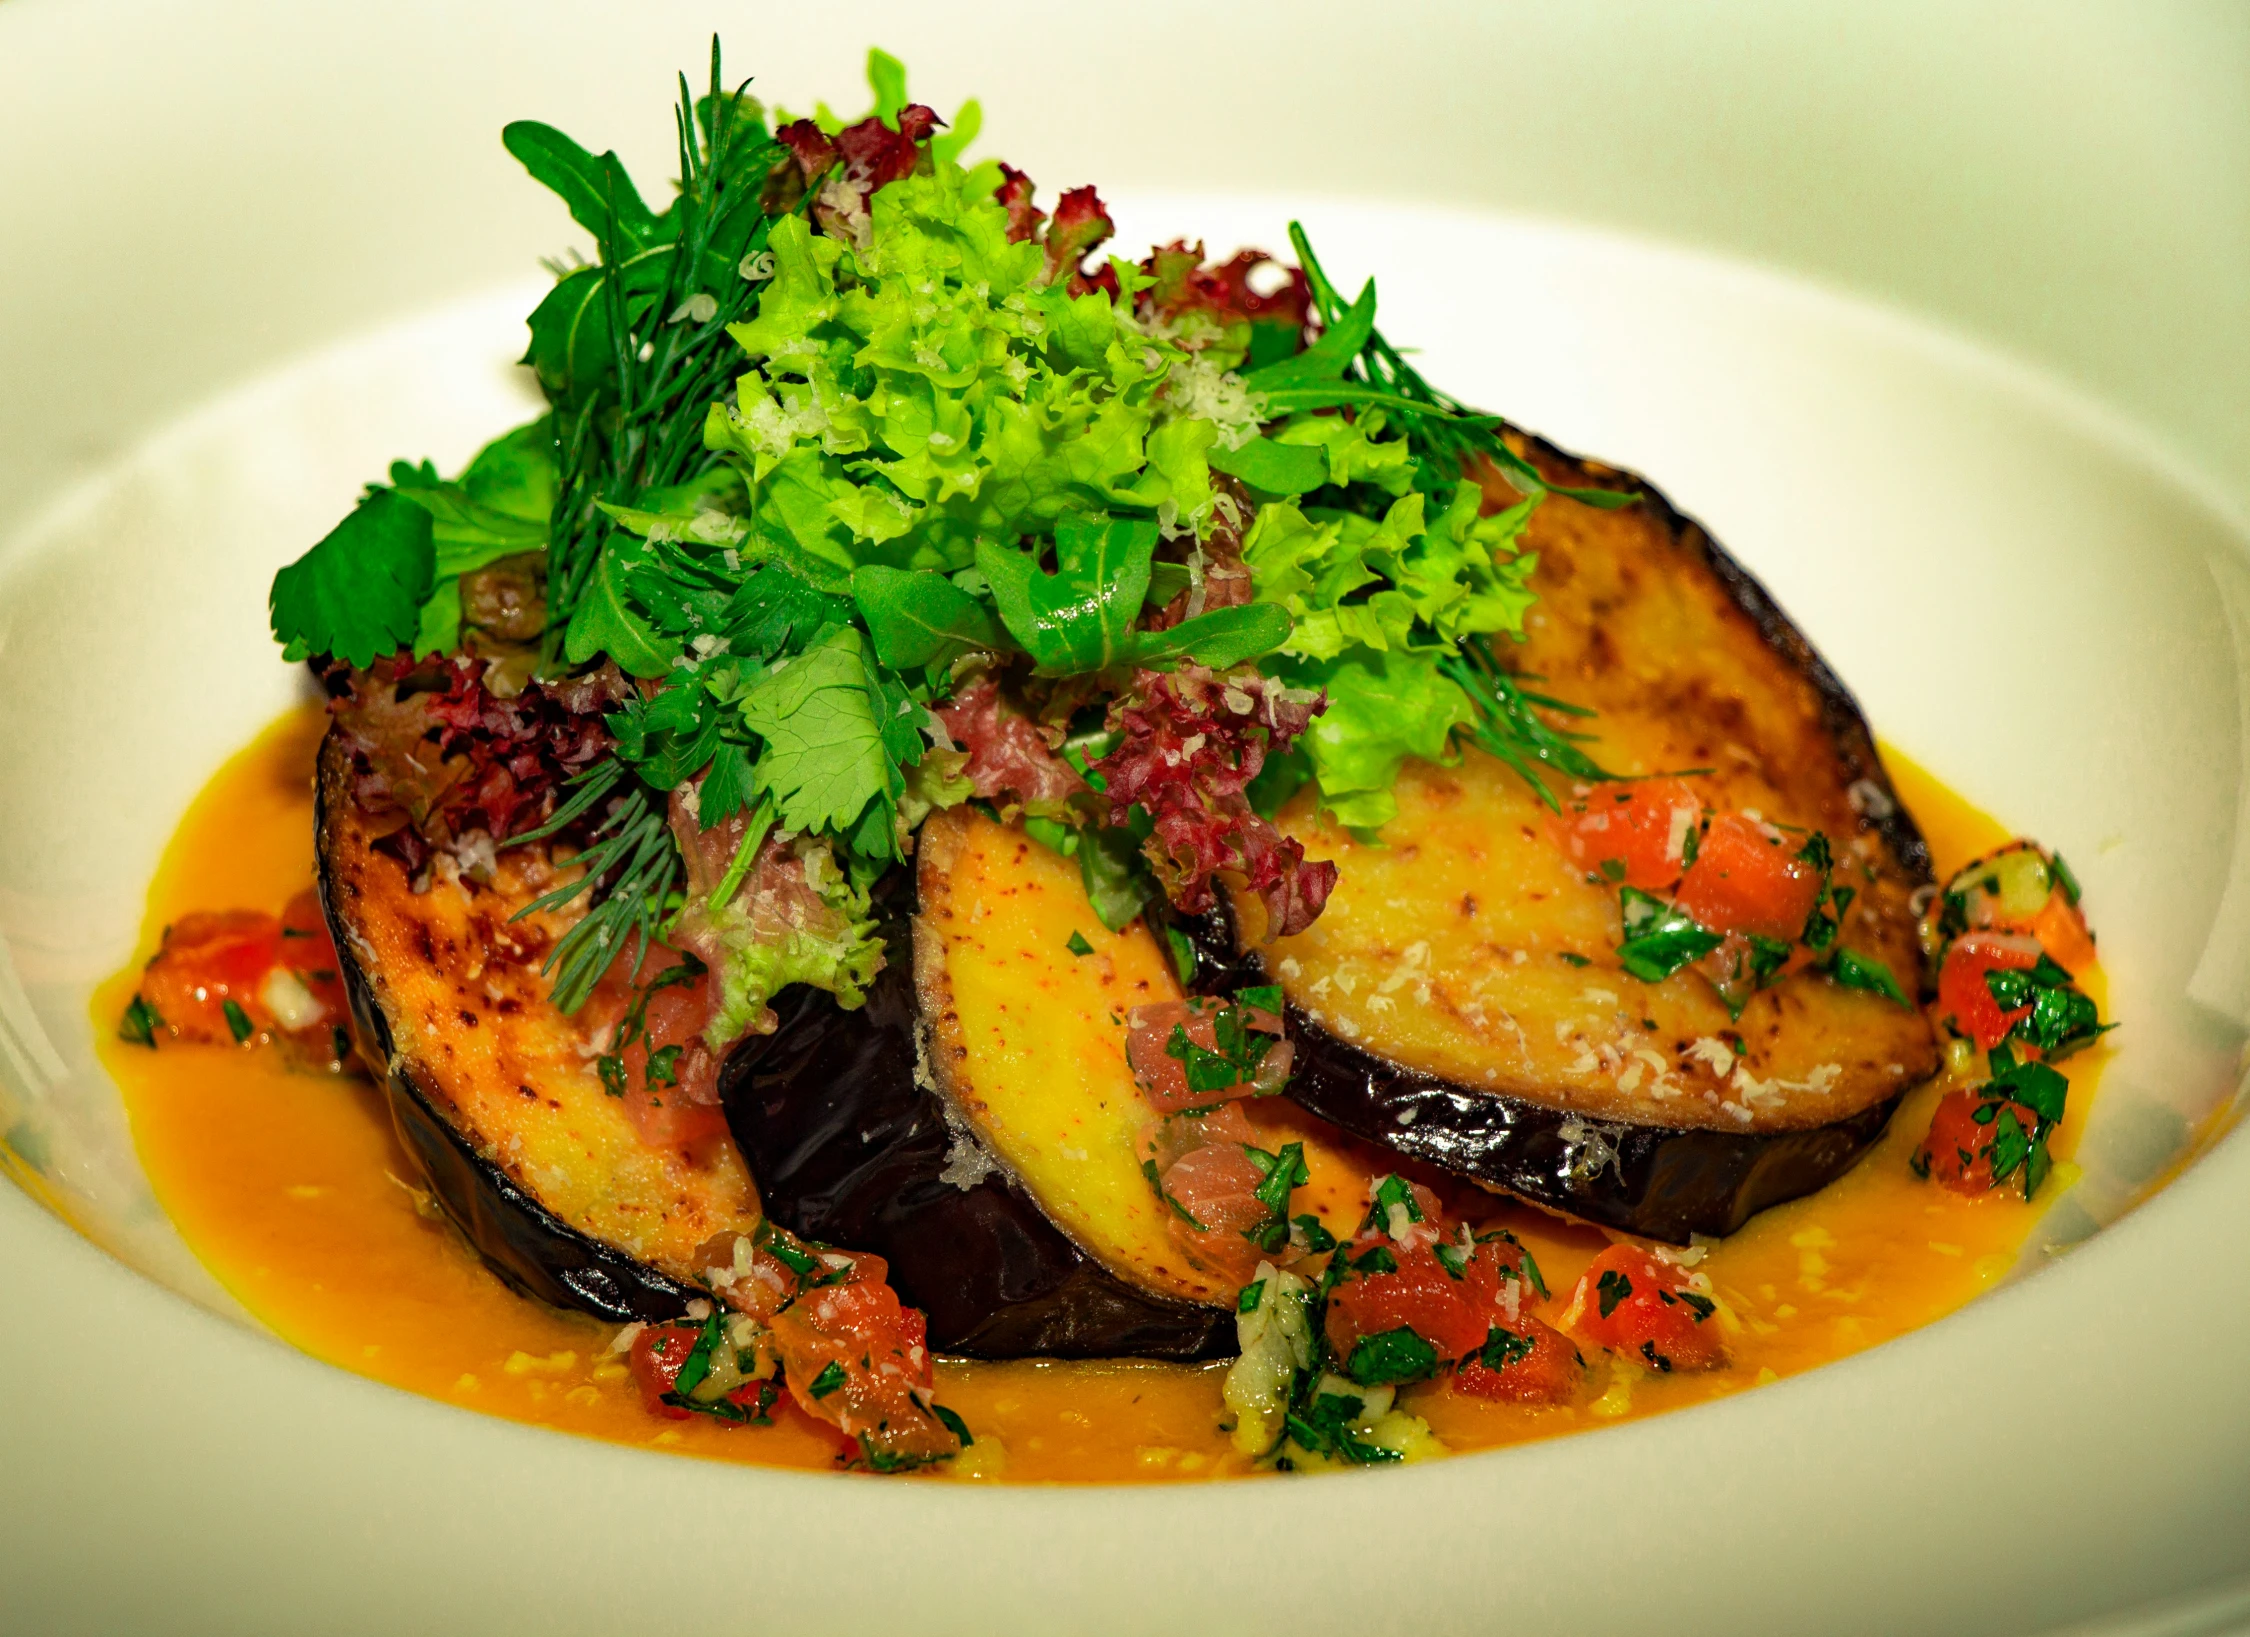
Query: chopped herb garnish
point(1249, 1296)
point(1502, 1348)
point(1613, 1287)
point(953, 1423)
point(1391, 1356)
point(1183, 954)
point(1660, 939)
point(1865, 972)
point(1571, 959)
point(140, 1023)
point(238, 1021)
point(831, 1377)
point(1393, 1193)
point(1078, 944)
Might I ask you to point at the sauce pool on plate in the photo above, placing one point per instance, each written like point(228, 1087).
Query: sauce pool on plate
point(291, 1187)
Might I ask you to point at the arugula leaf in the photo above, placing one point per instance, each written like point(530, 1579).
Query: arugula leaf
point(597, 191)
point(917, 617)
point(358, 593)
point(1326, 359)
point(1221, 638)
point(1116, 877)
point(1080, 617)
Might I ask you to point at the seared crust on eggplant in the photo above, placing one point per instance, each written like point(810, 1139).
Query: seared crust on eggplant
point(494, 1092)
point(1461, 998)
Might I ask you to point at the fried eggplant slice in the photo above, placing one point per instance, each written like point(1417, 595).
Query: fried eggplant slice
point(495, 1093)
point(1462, 999)
point(976, 1125)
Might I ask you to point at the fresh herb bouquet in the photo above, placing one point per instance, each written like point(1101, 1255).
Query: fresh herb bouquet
point(864, 489)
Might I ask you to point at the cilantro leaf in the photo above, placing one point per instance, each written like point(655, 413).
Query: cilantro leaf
point(824, 760)
point(606, 622)
point(358, 593)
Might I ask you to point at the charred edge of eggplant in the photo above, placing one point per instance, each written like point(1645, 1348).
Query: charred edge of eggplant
point(531, 1250)
point(1660, 1182)
point(1840, 715)
point(849, 1147)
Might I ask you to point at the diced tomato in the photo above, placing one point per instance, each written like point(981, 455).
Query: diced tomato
point(1957, 1153)
point(1963, 996)
point(655, 1357)
point(1634, 1302)
point(1451, 1314)
point(678, 1107)
point(1538, 1365)
point(208, 959)
point(858, 1359)
point(1217, 1185)
point(2061, 930)
point(309, 951)
point(1633, 834)
point(1163, 1077)
point(1747, 877)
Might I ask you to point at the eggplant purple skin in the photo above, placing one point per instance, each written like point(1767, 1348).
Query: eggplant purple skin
point(532, 1251)
point(847, 1148)
point(1659, 1182)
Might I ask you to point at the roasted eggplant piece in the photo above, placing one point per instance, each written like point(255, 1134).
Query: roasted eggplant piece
point(495, 1093)
point(976, 1124)
point(1462, 1000)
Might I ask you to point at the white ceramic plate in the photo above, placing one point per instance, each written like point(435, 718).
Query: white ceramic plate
point(2075, 1443)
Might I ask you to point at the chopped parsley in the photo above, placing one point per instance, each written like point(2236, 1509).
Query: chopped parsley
point(1660, 938)
point(140, 1023)
point(1503, 1347)
point(1391, 1356)
point(831, 1378)
point(1078, 944)
point(1613, 1287)
point(238, 1021)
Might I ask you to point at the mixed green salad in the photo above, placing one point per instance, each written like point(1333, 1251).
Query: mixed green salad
point(866, 487)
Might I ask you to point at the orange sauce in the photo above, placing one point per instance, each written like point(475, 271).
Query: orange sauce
point(293, 1190)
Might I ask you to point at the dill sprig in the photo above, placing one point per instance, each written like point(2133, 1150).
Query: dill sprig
point(632, 419)
point(630, 866)
point(1447, 435)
